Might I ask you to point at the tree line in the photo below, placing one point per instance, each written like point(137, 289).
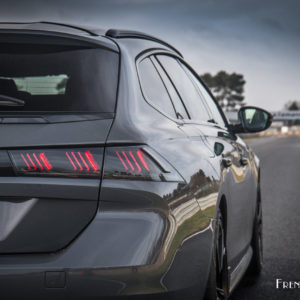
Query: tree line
point(292, 105)
point(228, 89)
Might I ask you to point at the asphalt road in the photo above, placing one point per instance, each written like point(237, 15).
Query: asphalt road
point(280, 178)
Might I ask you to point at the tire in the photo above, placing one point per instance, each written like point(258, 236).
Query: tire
point(217, 285)
point(256, 263)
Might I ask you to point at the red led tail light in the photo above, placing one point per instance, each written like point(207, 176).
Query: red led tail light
point(142, 159)
point(137, 163)
point(126, 162)
point(92, 161)
point(79, 162)
point(45, 161)
point(33, 162)
point(132, 161)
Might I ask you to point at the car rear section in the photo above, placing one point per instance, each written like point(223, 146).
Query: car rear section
point(83, 214)
point(57, 103)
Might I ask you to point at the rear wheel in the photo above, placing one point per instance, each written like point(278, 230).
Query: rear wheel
point(217, 286)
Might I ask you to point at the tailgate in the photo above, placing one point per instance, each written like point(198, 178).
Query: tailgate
point(44, 210)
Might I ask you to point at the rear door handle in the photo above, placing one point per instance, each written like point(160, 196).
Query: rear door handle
point(244, 161)
point(227, 162)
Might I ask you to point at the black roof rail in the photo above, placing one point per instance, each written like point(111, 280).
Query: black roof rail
point(70, 26)
point(90, 32)
point(119, 33)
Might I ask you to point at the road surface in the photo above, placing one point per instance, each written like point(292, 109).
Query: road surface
point(280, 179)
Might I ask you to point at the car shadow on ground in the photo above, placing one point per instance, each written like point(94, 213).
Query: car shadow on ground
point(264, 288)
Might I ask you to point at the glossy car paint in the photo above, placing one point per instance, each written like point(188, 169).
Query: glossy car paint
point(146, 237)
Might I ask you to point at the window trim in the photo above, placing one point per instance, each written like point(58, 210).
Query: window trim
point(164, 84)
point(203, 97)
point(156, 61)
point(174, 87)
point(196, 88)
point(139, 59)
point(194, 121)
point(209, 92)
point(159, 51)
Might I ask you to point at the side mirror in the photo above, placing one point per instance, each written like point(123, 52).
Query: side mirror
point(252, 119)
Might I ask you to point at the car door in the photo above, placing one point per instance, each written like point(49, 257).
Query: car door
point(246, 189)
point(235, 175)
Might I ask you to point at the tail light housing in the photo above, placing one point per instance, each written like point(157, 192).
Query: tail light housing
point(77, 162)
point(137, 163)
point(122, 162)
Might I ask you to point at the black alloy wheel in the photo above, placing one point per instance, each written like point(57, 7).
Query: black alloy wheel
point(217, 286)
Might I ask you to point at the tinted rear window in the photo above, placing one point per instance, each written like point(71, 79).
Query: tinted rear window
point(59, 79)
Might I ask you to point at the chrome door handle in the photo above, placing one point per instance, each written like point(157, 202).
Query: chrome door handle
point(227, 162)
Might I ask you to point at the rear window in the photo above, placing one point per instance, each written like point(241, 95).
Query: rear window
point(58, 79)
point(38, 85)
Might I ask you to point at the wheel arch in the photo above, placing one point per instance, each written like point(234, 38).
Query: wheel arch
point(223, 208)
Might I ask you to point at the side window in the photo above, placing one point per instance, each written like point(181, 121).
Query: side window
point(153, 88)
point(186, 88)
point(179, 107)
point(216, 115)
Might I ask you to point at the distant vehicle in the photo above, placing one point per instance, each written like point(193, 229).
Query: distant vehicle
point(119, 174)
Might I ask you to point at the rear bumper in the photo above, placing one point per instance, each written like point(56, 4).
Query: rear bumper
point(137, 244)
point(57, 283)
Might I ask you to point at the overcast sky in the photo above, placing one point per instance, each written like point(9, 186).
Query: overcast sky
point(258, 38)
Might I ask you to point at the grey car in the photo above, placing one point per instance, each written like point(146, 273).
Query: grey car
point(119, 173)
